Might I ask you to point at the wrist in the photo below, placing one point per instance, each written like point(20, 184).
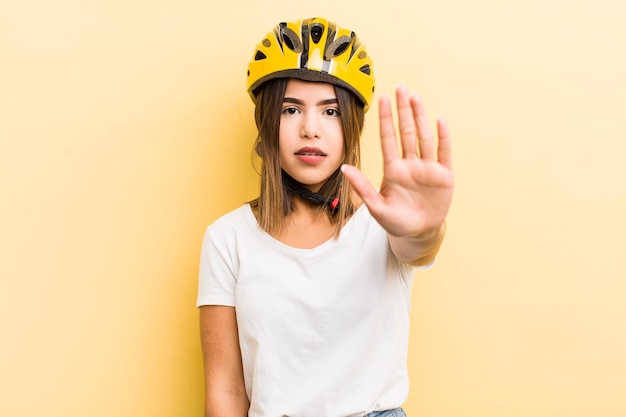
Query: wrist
point(419, 249)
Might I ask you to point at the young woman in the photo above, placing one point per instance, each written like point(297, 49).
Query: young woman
point(304, 292)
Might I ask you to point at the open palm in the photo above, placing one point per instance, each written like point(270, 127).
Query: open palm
point(416, 190)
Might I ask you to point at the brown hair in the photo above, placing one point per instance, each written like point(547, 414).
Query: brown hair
point(274, 201)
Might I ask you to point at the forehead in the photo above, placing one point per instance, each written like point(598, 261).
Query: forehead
point(309, 89)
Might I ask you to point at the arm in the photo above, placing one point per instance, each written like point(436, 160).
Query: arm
point(416, 191)
point(225, 393)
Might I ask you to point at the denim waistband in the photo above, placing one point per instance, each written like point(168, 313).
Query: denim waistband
point(396, 412)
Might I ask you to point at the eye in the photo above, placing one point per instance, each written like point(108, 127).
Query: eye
point(290, 110)
point(332, 112)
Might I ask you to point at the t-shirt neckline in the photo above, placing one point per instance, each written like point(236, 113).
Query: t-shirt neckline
point(251, 218)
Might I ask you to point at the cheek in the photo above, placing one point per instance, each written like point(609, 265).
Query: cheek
point(340, 149)
point(285, 133)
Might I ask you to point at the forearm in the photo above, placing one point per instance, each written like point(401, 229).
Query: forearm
point(226, 404)
point(225, 392)
point(420, 249)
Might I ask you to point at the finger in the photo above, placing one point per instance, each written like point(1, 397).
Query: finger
point(406, 123)
point(444, 152)
point(363, 188)
point(387, 130)
point(424, 132)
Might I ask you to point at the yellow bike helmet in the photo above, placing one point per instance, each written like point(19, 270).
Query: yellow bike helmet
point(313, 50)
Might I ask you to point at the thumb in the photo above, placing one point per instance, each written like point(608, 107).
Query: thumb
point(363, 187)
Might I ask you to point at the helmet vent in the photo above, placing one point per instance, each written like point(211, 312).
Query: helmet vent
point(338, 47)
point(316, 32)
point(259, 56)
point(365, 69)
point(290, 38)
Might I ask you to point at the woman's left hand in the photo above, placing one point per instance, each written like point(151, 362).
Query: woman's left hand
point(416, 190)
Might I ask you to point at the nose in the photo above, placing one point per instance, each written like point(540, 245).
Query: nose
point(310, 128)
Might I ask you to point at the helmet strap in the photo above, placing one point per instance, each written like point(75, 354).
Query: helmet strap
point(304, 193)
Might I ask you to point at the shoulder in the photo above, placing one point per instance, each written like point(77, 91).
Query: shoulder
point(362, 218)
point(235, 222)
point(363, 228)
point(234, 217)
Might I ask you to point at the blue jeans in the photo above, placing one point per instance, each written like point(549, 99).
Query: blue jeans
point(396, 412)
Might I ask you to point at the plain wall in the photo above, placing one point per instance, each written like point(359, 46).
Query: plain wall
point(125, 129)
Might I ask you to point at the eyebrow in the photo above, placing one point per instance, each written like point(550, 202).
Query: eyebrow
point(319, 103)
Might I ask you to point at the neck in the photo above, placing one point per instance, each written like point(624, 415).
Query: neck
point(306, 226)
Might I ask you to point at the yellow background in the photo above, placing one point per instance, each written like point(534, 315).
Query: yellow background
point(125, 129)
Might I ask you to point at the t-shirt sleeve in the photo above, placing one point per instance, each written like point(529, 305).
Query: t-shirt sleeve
point(218, 274)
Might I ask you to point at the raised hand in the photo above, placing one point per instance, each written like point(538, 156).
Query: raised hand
point(416, 190)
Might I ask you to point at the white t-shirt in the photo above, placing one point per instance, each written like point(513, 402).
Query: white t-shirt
point(323, 331)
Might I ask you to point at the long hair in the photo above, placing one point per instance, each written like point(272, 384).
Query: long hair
point(275, 201)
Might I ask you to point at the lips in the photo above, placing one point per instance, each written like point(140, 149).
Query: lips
point(309, 151)
point(310, 156)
